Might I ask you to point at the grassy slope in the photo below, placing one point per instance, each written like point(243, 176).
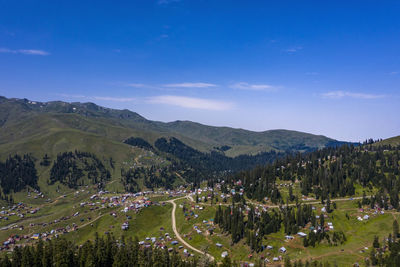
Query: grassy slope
point(23, 119)
point(146, 223)
point(394, 141)
point(359, 235)
point(55, 137)
point(247, 142)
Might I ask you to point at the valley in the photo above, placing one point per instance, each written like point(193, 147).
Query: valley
point(84, 174)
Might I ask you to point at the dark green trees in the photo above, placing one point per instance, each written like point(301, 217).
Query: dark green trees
point(17, 172)
point(102, 252)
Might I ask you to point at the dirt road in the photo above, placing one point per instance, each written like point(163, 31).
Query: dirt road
point(178, 236)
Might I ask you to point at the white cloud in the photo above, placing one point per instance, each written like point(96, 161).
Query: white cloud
point(190, 85)
point(253, 87)
point(136, 85)
point(394, 72)
point(72, 96)
point(33, 52)
point(101, 98)
point(114, 99)
point(343, 94)
point(25, 51)
point(191, 102)
point(293, 49)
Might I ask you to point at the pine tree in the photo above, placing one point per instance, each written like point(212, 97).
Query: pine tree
point(375, 244)
point(395, 230)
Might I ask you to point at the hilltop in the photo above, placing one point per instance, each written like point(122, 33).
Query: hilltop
point(393, 141)
point(120, 140)
point(23, 122)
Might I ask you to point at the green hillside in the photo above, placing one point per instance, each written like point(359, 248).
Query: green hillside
point(394, 141)
point(244, 141)
point(55, 127)
point(21, 120)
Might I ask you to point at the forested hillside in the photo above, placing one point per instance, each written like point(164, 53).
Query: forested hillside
point(17, 172)
point(329, 172)
point(70, 168)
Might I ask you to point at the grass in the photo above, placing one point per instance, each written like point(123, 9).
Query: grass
point(204, 241)
point(359, 235)
point(148, 222)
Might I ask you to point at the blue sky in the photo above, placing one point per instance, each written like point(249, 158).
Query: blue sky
point(324, 67)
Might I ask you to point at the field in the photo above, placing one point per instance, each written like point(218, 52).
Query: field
point(359, 234)
point(82, 222)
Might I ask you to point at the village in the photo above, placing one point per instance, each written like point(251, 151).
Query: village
point(104, 203)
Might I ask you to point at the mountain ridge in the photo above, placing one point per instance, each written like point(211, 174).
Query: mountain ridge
point(201, 136)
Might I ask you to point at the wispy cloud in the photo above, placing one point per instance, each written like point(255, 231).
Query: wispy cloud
point(114, 99)
point(190, 85)
point(293, 49)
point(191, 102)
point(25, 51)
point(71, 96)
point(101, 98)
point(253, 87)
point(136, 85)
point(343, 94)
point(394, 72)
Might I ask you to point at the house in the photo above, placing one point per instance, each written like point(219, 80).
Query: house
point(289, 237)
point(125, 226)
point(224, 254)
point(35, 236)
point(301, 234)
point(282, 250)
point(366, 217)
point(219, 245)
point(270, 247)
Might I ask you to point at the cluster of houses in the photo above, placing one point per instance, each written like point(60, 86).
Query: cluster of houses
point(37, 193)
point(103, 199)
point(19, 210)
point(13, 238)
point(370, 212)
point(164, 241)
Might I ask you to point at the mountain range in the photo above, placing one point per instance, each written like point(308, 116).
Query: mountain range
point(53, 127)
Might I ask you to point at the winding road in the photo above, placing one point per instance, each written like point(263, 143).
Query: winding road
point(178, 236)
point(189, 197)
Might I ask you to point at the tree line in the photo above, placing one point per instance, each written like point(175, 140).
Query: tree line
point(152, 177)
point(328, 173)
point(102, 252)
point(198, 166)
point(17, 172)
point(75, 168)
